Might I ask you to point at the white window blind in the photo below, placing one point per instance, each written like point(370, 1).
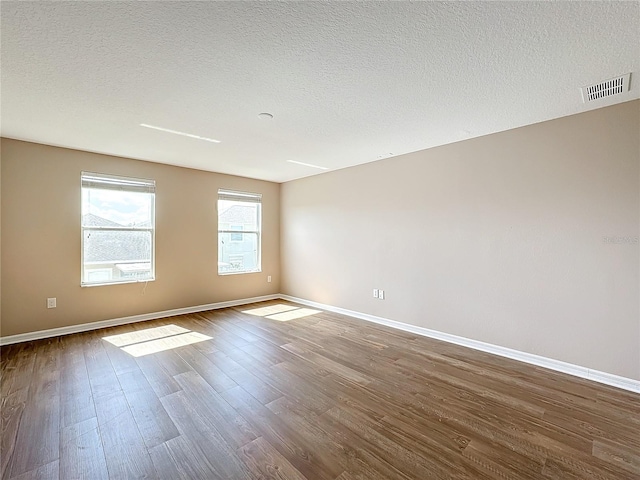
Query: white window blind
point(113, 182)
point(232, 196)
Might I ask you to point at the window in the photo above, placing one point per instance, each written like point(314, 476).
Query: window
point(118, 229)
point(239, 225)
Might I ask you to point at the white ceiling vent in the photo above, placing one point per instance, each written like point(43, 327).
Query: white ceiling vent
point(613, 86)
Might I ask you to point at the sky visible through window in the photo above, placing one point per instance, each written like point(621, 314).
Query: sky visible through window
point(123, 208)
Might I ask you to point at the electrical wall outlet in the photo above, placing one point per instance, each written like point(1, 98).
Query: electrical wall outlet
point(375, 293)
point(269, 278)
point(51, 302)
point(381, 294)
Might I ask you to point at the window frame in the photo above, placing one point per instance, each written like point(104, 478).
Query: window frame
point(247, 197)
point(124, 184)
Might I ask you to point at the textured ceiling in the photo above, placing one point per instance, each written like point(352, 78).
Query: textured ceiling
point(347, 83)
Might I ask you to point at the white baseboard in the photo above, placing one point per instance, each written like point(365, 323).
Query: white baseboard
point(84, 327)
point(557, 365)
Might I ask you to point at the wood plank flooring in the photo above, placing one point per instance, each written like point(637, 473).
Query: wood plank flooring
point(322, 396)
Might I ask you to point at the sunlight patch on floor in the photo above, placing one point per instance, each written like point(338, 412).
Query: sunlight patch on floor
point(154, 340)
point(162, 344)
point(281, 312)
point(145, 335)
point(293, 314)
point(270, 310)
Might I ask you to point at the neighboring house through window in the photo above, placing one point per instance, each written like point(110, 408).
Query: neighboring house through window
point(239, 229)
point(118, 229)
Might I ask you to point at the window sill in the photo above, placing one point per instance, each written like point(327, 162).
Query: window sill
point(224, 274)
point(83, 285)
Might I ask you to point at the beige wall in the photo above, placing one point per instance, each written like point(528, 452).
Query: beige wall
point(498, 239)
point(41, 240)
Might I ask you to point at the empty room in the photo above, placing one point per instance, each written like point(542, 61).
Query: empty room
point(319, 240)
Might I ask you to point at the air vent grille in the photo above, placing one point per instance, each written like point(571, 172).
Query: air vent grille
point(614, 86)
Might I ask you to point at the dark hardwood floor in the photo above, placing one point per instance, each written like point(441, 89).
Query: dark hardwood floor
point(322, 396)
